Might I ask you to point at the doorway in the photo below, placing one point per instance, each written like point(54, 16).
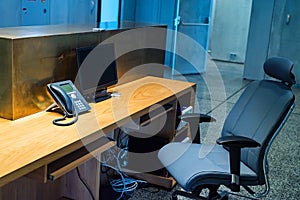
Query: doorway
point(231, 20)
point(192, 19)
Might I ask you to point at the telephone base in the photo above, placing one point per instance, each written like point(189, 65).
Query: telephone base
point(51, 107)
point(54, 108)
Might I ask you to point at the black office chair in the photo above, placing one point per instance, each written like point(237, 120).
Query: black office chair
point(240, 156)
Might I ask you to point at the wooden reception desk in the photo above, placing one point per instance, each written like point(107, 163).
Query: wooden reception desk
point(32, 56)
point(33, 150)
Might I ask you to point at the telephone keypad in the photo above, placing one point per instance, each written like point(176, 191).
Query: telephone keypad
point(79, 105)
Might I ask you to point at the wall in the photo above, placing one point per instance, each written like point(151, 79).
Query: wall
point(127, 10)
point(11, 12)
point(151, 11)
point(258, 39)
point(61, 12)
point(285, 33)
point(59, 9)
point(81, 11)
point(272, 35)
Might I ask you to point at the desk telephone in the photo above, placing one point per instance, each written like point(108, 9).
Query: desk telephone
point(68, 99)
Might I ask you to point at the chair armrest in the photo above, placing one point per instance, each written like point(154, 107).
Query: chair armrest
point(192, 117)
point(237, 142)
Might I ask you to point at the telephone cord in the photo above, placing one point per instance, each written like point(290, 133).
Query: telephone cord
point(57, 121)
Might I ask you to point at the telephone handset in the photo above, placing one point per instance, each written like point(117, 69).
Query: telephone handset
point(68, 99)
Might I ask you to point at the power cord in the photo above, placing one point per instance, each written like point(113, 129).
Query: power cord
point(85, 184)
point(125, 184)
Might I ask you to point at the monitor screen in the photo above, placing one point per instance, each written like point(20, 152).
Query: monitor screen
point(96, 68)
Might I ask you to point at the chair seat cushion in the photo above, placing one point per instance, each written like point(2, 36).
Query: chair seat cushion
point(198, 164)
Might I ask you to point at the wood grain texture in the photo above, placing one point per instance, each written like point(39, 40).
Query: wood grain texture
point(32, 142)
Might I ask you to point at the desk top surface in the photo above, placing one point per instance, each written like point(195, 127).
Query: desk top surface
point(33, 141)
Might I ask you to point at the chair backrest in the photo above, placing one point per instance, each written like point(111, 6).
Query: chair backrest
point(260, 111)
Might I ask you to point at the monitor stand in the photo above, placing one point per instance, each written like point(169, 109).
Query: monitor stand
point(101, 95)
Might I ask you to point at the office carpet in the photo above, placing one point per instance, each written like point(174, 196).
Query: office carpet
point(284, 155)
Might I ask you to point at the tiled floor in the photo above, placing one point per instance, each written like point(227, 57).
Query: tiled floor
point(217, 91)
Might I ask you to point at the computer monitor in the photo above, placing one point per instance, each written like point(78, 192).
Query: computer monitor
point(97, 70)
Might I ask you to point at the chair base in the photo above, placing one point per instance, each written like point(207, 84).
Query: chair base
point(212, 195)
point(223, 195)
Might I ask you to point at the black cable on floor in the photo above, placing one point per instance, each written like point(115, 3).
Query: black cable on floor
point(148, 189)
